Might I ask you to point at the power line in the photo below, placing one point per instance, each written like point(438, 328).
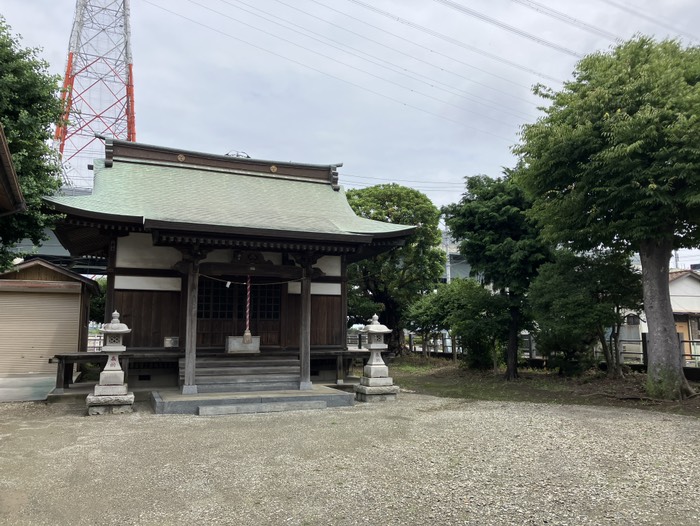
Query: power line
point(440, 36)
point(317, 70)
point(414, 43)
point(654, 19)
point(502, 25)
point(429, 81)
point(558, 15)
point(334, 59)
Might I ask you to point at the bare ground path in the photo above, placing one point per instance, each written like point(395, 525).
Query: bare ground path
point(422, 460)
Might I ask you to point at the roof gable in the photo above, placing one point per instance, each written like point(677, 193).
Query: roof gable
point(677, 275)
point(51, 272)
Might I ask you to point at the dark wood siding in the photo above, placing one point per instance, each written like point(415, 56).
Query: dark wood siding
point(151, 315)
point(221, 312)
point(326, 320)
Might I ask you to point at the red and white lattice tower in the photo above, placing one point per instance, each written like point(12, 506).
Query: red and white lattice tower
point(98, 86)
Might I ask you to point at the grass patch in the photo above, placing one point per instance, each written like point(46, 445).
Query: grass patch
point(440, 377)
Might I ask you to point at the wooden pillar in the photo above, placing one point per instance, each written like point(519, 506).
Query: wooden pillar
point(305, 329)
point(190, 386)
point(344, 300)
point(110, 306)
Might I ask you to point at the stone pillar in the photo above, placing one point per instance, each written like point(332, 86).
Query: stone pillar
point(375, 384)
point(111, 394)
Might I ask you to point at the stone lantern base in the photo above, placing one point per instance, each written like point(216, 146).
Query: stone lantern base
point(111, 394)
point(379, 393)
point(375, 384)
point(106, 404)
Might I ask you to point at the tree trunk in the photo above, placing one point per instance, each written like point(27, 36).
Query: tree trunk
point(512, 351)
point(665, 378)
point(606, 352)
point(496, 348)
point(610, 352)
point(615, 349)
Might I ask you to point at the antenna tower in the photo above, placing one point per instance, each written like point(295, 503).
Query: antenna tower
point(98, 88)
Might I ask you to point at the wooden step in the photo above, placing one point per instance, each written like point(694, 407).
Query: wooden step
point(242, 363)
point(246, 379)
point(248, 387)
point(235, 371)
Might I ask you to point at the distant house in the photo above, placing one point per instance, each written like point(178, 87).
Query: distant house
point(11, 199)
point(200, 247)
point(684, 288)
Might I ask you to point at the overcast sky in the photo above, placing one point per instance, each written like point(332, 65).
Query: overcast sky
point(417, 92)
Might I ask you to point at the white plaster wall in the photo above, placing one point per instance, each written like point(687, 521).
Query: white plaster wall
point(137, 251)
point(321, 289)
point(330, 265)
point(146, 283)
point(685, 294)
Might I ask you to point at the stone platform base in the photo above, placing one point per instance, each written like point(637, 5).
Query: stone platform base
point(109, 404)
point(361, 397)
point(383, 393)
point(109, 409)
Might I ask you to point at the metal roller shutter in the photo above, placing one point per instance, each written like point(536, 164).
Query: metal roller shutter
point(34, 327)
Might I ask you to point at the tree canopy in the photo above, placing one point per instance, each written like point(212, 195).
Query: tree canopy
point(393, 280)
point(615, 162)
point(29, 106)
point(578, 300)
point(500, 243)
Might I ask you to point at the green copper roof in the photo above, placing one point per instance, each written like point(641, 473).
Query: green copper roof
point(177, 197)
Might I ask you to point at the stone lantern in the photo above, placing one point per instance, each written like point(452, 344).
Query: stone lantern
point(111, 393)
point(375, 384)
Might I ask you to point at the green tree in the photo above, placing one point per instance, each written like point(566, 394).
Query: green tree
point(29, 106)
point(478, 319)
point(470, 313)
point(615, 162)
point(97, 302)
point(579, 300)
point(426, 317)
point(501, 244)
point(395, 279)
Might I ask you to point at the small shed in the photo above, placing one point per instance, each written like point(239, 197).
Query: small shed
point(44, 310)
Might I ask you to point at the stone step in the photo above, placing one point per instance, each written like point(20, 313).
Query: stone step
point(262, 407)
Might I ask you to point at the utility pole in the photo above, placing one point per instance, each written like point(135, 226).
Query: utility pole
point(98, 87)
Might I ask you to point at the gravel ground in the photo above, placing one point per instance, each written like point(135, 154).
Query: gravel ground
point(420, 460)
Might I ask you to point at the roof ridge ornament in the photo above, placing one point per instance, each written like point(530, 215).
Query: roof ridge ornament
point(109, 151)
point(333, 177)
